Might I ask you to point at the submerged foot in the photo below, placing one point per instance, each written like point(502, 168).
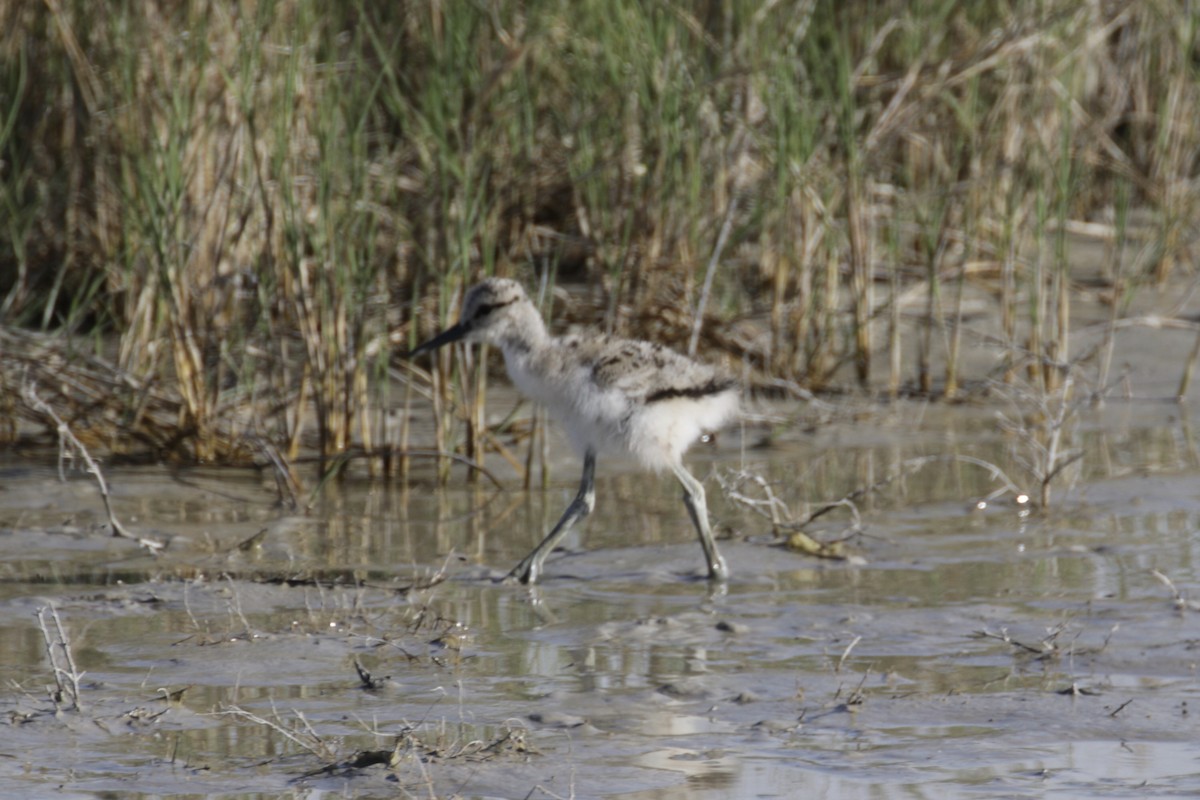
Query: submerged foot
point(718, 571)
point(523, 573)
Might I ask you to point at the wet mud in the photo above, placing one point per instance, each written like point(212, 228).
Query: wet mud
point(363, 649)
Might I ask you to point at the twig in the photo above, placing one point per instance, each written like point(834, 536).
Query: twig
point(1181, 601)
point(69, 443)
point(709, 272)
point(311, 741)
point(54, 647)
point(774, 509)
point(846, 653)
point(287, 485)
point(1004, 637)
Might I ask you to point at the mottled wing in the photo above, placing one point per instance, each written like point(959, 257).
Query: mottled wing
point(648, 372)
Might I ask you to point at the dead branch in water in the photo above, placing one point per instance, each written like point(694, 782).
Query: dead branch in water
point(58, 647)
point(69, 446)
point(770, 506)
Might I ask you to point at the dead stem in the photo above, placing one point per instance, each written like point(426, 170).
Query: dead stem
point(69, 447)
point(58, 646)
point(710, 272)
point(1041, 419)
point(771, 507)
point(1180, 601)
point(287, 483)
point(305, 738)
point(846, 653)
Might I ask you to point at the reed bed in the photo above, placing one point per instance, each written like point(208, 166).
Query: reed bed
point(222, 221)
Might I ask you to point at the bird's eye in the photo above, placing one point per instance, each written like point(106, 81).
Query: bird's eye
point(486, 309)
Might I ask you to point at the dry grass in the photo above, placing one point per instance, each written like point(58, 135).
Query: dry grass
point(250, 205)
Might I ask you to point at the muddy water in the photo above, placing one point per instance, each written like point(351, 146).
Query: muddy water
point(960, 652)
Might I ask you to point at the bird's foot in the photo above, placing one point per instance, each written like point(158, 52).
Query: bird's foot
point(718, 571)
point(523, 573)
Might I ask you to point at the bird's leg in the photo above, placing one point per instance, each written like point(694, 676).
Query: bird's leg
point(530, 568)
point(693, 498)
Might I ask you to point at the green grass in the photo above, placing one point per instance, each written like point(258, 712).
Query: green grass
point(257, 202)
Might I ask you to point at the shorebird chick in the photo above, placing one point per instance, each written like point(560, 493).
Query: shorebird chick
point(609, 394)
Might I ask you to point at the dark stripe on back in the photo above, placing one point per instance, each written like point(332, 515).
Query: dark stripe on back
point(713, 386)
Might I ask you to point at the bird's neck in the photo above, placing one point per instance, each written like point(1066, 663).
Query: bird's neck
point(525, 333)
point(527, 345)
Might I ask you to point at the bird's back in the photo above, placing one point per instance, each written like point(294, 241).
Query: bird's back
point(632, 395)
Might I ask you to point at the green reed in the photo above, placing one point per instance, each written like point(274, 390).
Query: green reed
point(258, 202)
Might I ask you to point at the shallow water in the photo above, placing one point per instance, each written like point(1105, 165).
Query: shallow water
point(960, 653)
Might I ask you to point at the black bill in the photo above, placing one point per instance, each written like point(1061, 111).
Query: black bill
point(447, 336)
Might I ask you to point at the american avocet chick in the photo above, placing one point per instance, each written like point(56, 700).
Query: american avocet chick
point(609, 394)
